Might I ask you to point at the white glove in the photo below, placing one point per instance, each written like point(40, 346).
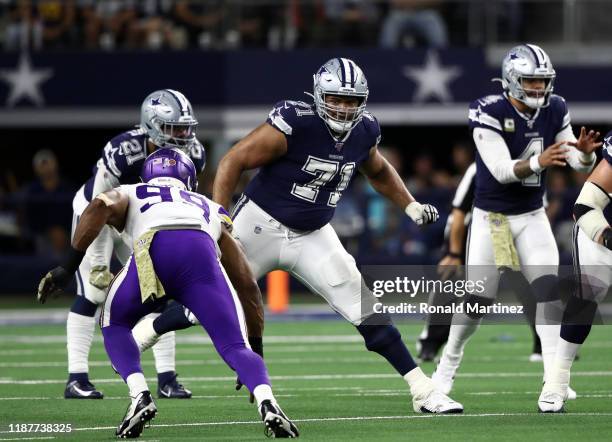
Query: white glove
point(422, 213)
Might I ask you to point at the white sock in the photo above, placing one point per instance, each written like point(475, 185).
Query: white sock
point(462, 328)
point(420, 384)
point(164, 352)
point(548, 327)
point(137, 384)
point(262, 393)
point(559, 372)
point(79, 335)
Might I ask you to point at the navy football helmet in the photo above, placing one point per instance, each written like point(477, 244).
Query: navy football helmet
point(170, 167)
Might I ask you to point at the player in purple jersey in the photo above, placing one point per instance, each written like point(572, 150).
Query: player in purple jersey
point(167, 121)
point(593, 263)
point(307, 156)
point(518, 135)
point(160, 215)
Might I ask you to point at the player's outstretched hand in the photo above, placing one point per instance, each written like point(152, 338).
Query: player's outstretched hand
point(554, 155)
point(587, 142)
point(52, 284)
point(422, 214)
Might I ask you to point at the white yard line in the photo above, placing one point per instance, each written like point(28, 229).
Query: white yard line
point(314, 377)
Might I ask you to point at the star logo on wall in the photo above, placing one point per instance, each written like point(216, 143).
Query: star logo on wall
point(24, 82)
point(432, 79)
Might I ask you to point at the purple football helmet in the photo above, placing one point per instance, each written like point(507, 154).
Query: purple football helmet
point(170, 163)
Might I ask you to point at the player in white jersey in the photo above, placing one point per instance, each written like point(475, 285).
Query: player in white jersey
point(174, 233)
point(593, 265)
point(509, 226)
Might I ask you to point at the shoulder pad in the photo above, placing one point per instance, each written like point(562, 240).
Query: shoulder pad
point(287, 115)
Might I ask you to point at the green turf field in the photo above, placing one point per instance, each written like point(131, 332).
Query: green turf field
point(323, 378)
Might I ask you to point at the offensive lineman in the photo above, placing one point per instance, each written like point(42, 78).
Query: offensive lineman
point(509, 226)
point(308, 156)
point(159, 216)
point(167, 121)
point(593, 260)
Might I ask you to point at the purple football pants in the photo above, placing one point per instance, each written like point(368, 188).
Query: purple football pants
point(186, 263)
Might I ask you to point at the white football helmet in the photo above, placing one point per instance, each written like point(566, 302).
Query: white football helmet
point(340, 77)
point(168, 118)
point(528, 61)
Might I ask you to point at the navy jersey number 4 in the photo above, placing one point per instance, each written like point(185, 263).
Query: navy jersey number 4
point(303, 187)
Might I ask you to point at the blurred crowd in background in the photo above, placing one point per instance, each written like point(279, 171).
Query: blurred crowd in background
point(36, 215)
point(276, 24)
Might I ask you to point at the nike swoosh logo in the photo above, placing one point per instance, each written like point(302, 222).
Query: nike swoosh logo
point(164, 393)
point(82, 392)
point(547, 402)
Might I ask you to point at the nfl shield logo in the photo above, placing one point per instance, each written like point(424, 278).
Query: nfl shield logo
point(339, 145)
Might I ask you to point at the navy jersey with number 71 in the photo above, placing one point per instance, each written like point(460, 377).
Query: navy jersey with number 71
point(303, 187)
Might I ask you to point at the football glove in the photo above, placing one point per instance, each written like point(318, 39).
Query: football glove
point(257, 347)
point(53, 283)
point(422, 214)
point(100, 277)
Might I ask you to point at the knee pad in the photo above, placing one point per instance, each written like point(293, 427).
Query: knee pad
point(83, 306)
point(579, 311)
point(476, 301)
point(378, 333)
point(575, 333)
point(546, 288)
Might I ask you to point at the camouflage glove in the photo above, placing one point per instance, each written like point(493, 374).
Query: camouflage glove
point(257, 347)
point(53, 283)
point(100, 277)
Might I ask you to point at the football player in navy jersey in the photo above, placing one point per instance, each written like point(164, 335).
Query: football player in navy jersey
point(518, 135)
point(307, 156)
point(167, 121)
point(592, 250)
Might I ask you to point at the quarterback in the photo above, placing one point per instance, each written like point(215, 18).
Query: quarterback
point(518, 134)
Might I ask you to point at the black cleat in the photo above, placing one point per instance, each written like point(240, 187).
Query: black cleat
point(429, 350)
point(140, 411)
point(173, 390)
point(81, 390)
point(277, 423)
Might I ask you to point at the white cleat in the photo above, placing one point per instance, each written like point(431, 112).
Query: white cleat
point(444, 376)
point(571, 394)
point(144, 334)
point(551, 402)
point(436, 402)
point(535, 357)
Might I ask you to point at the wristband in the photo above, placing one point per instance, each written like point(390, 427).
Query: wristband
point(73, 260)
point(534, 164)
